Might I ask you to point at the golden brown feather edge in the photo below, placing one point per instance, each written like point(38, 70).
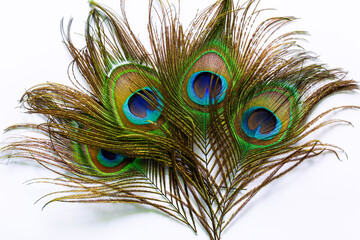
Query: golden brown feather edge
point(195, 127)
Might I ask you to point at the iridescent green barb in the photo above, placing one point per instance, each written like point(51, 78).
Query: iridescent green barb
point(195, 127)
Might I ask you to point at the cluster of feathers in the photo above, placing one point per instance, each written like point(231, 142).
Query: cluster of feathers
point(195, 127)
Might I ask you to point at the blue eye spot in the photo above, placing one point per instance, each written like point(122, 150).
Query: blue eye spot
point(140, 107)
point(260, 123)
point(138, 103)
point(205, 85)
point(109, 159)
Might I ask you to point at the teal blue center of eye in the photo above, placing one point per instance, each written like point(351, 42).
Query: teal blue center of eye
point(139, 107)
point(260, 123)
point(109, 159)
point(206, 85)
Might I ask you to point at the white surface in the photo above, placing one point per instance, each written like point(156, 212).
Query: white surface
point(320, 200)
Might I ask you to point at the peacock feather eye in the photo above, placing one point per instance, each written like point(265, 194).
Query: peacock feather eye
point(143, 106)
point(206, 86)
point(206, 81)
point(135, 98)
point(265, 118)
point(260, 123)
point(109, 159)
point(105, 161)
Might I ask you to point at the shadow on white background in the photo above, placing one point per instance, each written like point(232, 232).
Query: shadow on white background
point(319, 200)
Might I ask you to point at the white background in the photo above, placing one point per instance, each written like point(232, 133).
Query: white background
point(319, 200)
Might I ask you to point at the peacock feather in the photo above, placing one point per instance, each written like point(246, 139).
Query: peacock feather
point(194, 127)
